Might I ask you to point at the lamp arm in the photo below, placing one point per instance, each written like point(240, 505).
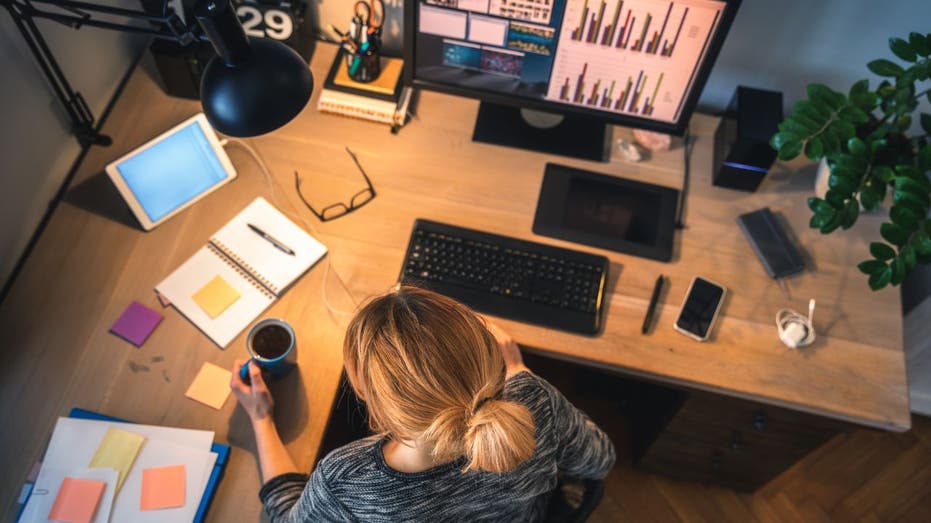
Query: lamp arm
point(168, 26)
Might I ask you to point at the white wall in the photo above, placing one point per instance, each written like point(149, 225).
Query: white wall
point(786, 44)
point(36, 146)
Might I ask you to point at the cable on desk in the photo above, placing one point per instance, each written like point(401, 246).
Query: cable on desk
point(275, 197)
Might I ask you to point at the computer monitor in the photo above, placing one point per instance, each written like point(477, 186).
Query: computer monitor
point(636, 63)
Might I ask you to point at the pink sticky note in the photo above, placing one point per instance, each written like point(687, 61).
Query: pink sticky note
point(77, 500)
point(162, 487)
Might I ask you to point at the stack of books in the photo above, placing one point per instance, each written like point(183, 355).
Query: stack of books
point(384, 100)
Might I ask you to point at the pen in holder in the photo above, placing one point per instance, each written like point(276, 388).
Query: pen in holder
point(365, 63)
point(362, 42)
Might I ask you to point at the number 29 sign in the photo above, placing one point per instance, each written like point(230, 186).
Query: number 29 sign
point(288, 22)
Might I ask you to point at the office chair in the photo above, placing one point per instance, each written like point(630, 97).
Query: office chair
point(574, 500)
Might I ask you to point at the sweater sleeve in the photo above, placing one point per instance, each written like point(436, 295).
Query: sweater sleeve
point(295, 498)
point(585, 451)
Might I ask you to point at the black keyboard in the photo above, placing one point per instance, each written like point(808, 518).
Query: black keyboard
point(507, 277)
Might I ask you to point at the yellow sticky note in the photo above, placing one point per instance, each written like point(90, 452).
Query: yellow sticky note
point(211, 386)
point(216, 296)
point(117, 450)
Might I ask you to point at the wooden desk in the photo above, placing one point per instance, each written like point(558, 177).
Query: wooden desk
point(88, 265)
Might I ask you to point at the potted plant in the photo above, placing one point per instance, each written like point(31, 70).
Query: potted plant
point(864, 136)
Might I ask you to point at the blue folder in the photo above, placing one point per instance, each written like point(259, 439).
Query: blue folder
point(222, 451)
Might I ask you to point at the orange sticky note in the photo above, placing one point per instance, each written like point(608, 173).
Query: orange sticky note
point(77, 500)
point(216, 296)
point(162, 487)
point(211, 386)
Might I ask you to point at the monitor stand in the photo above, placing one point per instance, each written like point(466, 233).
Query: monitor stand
point(574, 136)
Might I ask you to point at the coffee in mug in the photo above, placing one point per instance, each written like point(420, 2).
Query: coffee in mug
point(272, 345)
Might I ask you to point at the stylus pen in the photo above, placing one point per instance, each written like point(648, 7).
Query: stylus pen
point(282, 247)
point(652, 307)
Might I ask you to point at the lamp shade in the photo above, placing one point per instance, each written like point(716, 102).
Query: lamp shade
point(252, 86)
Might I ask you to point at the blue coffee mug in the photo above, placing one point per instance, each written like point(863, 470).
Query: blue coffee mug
point(284, 358)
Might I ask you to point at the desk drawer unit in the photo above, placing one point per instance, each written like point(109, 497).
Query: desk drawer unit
point(734, 443)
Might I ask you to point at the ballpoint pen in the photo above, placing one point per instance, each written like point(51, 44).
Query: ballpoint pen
point(271, 239)
point(652, 307)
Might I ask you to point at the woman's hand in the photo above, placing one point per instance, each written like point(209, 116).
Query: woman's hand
point(255, 399)
point(513, 361)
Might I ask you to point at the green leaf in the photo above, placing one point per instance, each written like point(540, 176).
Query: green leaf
point(893, 234)
point(819, 206)
point(856, 147)
point(904, 183)
point(811, 110)
point(908, 255)
point(917, 200)
point(883, 67)
point(924, 158)
point(898, 271)
point(880, 279)
point(881, 251)
point(919, 43)
point(791, 125)
point(850, 214)
point(902, 49)
point(859, 87)
point(846, 129)
point(926, 122)
point(814, 148)
point(854, 115)
point(779, 140)
point(790, 150)
point(923, 244)
point(903, 122)
point(904, 217)
point(869, 198)
point(866, 101)
point(833, 223)
point(841, 184)
point(883, 172)
point(820, 93)
point(871, 266)
point(816, 221)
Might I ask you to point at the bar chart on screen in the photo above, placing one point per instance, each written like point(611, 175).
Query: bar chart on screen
point(631, 56)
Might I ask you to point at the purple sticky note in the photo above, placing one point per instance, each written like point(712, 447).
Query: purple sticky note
point(136, 323)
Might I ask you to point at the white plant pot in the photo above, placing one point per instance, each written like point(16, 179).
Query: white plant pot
point(821, 179)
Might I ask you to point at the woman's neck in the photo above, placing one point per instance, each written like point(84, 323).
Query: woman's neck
point(408, 456)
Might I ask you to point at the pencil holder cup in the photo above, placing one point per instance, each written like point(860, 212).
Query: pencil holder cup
point(365, 66)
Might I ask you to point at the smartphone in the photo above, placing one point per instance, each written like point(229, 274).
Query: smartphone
point(700, 308)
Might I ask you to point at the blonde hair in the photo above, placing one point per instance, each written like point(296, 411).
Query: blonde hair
point(429, 370)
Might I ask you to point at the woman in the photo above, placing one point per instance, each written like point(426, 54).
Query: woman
point(465, 432)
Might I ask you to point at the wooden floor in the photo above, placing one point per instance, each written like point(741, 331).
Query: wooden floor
point(863, 475)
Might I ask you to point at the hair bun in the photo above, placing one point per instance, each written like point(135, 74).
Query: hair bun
point(499, 435)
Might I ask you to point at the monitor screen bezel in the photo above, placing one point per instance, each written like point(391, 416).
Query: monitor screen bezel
point(676, 128)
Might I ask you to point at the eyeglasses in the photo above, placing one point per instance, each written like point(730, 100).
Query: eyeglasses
point(331, 212)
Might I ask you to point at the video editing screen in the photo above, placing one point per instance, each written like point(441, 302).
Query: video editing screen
point(629, 57)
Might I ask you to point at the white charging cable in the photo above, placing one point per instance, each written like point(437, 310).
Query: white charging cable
point(795, 330)
point(276, 197)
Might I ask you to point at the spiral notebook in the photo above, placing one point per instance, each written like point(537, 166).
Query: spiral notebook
point(227, 284)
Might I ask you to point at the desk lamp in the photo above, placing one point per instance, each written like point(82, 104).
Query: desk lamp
point(252, 87)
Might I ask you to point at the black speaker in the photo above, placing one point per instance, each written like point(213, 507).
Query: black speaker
point(742, 155)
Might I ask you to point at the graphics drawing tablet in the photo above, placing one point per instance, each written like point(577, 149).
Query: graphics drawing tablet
point(167, 174)
point(606, 211)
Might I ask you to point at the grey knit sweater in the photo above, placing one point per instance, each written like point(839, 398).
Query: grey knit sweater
point(353, 483)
